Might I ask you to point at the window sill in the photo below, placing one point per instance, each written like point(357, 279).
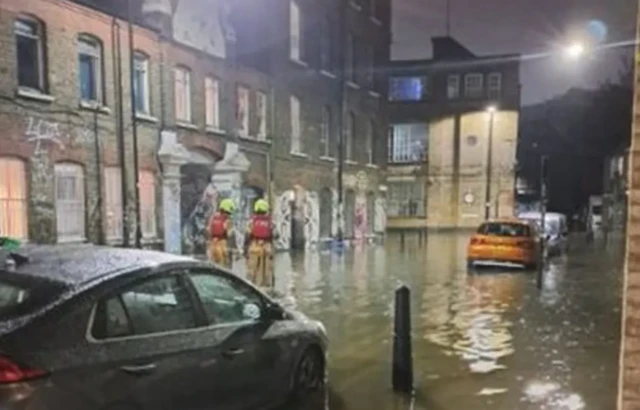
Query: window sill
point(94, 106)
point(376, 21)
point(215, 130)
point(146, 118)
point(261, 140)
point(328, 159)
point(328, 74)
point(353, 85)
point(355, 6)
point(299, 154)
point(350, 162)
point(372, 166)
point(299, 62)
point(187, 126)
point(35, 95)
point(374, 94)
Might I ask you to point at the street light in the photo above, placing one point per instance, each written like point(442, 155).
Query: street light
point(487, 196)
point(575, 51)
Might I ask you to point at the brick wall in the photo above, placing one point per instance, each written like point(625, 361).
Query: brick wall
point(29, 124)
point(629, 381)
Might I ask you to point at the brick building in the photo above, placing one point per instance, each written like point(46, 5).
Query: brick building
point(443, 111)
point(208, 124)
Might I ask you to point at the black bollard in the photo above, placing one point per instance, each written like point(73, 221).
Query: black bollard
point(402, 377)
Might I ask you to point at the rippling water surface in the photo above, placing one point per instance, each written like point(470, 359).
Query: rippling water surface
point(487, 340)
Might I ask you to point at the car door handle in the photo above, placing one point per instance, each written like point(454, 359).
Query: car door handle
point(231, 353)
point(139, 369)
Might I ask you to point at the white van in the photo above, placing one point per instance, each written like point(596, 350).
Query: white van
point(555, 229)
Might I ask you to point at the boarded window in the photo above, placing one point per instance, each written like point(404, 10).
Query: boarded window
point(70, 202)
point(13, 198)
point(182, 91)
point(113, 202)
point(212, 102)
point(147, 184)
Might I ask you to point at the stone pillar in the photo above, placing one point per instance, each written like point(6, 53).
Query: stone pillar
point(172, 155)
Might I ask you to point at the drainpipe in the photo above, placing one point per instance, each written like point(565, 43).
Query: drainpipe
point(134, 127)
point(117, 63)
point(98, 152)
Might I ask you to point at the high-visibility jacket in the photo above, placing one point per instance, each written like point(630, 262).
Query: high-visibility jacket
point(261, 227)
point(218, 225)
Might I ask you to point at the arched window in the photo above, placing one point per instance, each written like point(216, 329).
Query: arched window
point(30, 52)
point(70, 202)
point(141, 83)
point(91, 69)
point(13, 198)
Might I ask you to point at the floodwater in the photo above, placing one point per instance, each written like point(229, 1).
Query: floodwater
point(486, 340)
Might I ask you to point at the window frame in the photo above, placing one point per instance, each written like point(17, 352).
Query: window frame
point(78, 172)
point(494, 92)
point(296, 32)
point(262, 112)
point(295, 126)
point(41, 43)
point(143, 58)
point(85, 43)
point(244, 124)
point(395, 83)
point(25, 188)
point(395, 154)
point(136, 278)
point(455, 77)
point(186, 80)
point(212, 108)
point(119, 218)
point(475, 92)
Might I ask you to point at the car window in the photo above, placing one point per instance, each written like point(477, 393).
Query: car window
point(504, 229)
point(23, 295)
point(225, 300)
point(157, 305)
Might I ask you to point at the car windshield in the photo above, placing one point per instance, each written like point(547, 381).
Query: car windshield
point(21, 295)
point(504, 229)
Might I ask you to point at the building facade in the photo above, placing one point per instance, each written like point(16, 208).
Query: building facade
point(443, 112)
point(208, 124)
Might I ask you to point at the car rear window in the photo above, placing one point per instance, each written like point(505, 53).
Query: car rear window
point(21, 295)
point(505, 229)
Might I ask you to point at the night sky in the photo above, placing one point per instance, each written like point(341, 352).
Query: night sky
point(528, 27)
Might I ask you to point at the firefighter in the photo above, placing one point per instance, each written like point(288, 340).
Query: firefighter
point(221, 233)
point(258, 246)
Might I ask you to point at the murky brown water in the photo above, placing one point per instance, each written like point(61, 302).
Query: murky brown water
point(488, 340)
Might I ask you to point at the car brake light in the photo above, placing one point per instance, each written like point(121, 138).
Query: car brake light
point(477, 241)
point(11, 372)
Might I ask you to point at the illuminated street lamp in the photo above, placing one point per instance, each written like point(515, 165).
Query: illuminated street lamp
point(575, 51)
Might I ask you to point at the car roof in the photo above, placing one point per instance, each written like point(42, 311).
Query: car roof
point(78, 264)
point(505, 220)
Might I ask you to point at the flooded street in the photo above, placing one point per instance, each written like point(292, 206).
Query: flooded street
point(485, 340)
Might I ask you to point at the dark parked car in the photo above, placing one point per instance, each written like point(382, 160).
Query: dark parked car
point(86, 327)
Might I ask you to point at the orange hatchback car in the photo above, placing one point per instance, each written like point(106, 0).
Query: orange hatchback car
point(505, 243)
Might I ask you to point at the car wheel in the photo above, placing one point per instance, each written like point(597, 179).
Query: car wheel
point(309, 375)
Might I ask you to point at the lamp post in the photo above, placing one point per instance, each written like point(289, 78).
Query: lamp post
point(487, 195)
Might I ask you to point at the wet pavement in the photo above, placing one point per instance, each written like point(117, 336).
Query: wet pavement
point(486, 340)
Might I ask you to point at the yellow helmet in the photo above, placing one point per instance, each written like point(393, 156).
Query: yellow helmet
point(227, 205)
point(261, 206)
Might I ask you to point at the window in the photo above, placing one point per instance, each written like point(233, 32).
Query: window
point(453, 86)
point(225, 300)
point(90, 62)
point(155, 306)
point(327, 127)
point(141, 83)
point(494, 85)
point(13, 198)
point(30, 53)
point(351, 135)
point(147, 184)
point(296, 143)
point(182, 89)
point(371, 131)
point(212, 102)
point(369, 65)
point(408, 88)
point(473, 85)
point(326, 49)
point(350, 58)
point(113, 202)
point(70, 202)
point(406, 198)
point(242, 110)
point(295, 32)
point(261, 115)
point(408, 142)
point(504, 229)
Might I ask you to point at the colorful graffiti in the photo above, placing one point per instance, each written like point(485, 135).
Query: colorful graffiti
point(311, 210)
point(282, 219)
point(360, 218)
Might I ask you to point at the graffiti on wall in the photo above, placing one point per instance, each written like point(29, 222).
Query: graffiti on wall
point(311, 210)
point(360, 218)
point(282, 219)
point(199, 199)
point(41, 133)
